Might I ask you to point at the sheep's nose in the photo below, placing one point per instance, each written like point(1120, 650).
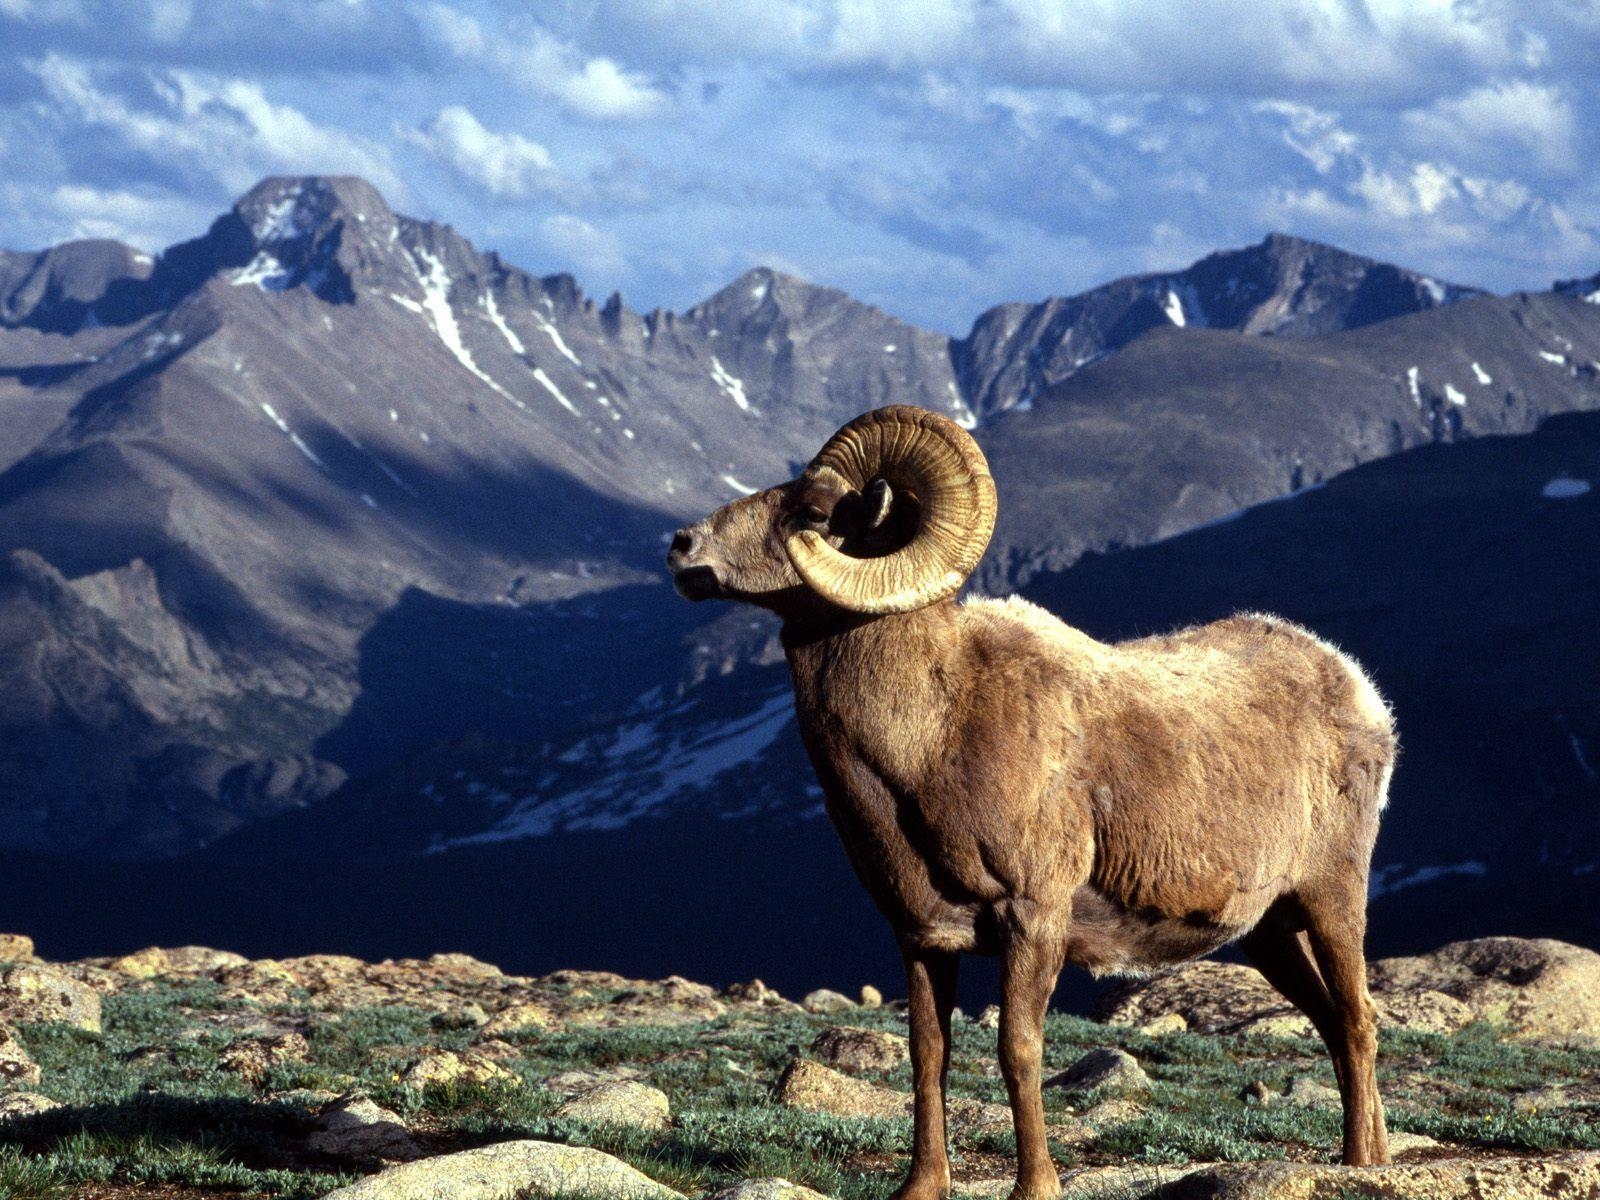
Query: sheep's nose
point(682, 542)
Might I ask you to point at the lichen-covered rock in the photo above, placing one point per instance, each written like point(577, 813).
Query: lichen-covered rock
point(250, 1058)
point(620, 1102)
point(752, 992)
point(519, 1018)
point(823, 1002)
point(871, 997)
point(1211, 997)
point(16, 948)
point(1547, 1177)
point(355, 1127)
point(989, 1018)
point(812, 1087)
point(771, 1188)
point(847, 1048)
point(1309, 1093)
point(1165, 1025)
point(1110, 1068)
point(258, 981)
point(17, 1105)
point(200, 960)
point(1536, 987)
point(464, 965)
point(141, 964)
point(528, 1169)
point(35, 992)
point(440, 1068)
point(461, 1016)
point(17, 1068)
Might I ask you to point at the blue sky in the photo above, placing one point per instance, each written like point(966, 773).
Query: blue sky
point(932, 157)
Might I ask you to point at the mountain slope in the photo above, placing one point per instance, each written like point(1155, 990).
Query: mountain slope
point(328, 485)
point(1284, 287)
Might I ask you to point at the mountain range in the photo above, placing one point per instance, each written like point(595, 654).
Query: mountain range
point(328, 536)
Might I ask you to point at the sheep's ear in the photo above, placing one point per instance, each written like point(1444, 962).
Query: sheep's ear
point(877, 501)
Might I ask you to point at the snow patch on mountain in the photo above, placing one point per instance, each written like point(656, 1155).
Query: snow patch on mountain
point(1564, 487)
point(492, 310)
point(731, 386)
point(265, 271)
point(640, 770)
point(549, 386)
point(436, 302)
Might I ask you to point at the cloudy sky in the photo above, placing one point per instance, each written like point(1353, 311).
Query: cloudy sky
point(930, 156)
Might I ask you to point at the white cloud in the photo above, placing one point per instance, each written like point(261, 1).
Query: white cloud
point(532, 58)
point(225, 130)
point(592, 251)
point(505, 165)
point(1490, 125)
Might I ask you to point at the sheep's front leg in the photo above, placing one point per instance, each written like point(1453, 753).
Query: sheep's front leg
point(931, 980)
point(1029, 966)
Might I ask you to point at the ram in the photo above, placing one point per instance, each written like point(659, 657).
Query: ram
point(1006, 785)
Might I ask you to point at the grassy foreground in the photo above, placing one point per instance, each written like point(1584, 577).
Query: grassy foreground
point(151, 1106)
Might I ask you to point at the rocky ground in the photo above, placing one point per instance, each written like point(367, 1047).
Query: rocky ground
point(186, 1073)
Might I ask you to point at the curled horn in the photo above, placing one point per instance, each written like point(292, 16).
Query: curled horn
point(935, 460)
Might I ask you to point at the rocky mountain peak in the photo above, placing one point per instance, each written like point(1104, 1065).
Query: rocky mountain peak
point(283, 209)
point(55, 290)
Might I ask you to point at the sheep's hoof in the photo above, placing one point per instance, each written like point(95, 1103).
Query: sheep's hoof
point(1046, 1188)
point(918, 1189)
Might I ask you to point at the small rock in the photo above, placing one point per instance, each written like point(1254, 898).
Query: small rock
point(531, 1169)
point(201, 960)
point(35, 992)
point(620, 1102)
point(16, 948)
point(1307, 1091)
point(1103, 1068)
point(1282, 1025)
point(848, 1048)
point(568, 1084)
point(813, 1087)
point(822, 1002)
point(353, 1126)
point(519, 1018)
point(1256, 1092)
point(766, 1189)
point(262, 980)
point(446, 1067)
point(1165, 1025)
point(871, 997)
point(753, 992)
point(462, 1016)
point(495, 1050)
point(249, 1058)
point(465, 965)
point(17, 1068)
point(1401, 1142)
point(989, 1018)
point(24, 1104)
point(141, 964)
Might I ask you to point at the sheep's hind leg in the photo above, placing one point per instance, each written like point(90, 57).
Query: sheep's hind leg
point(1029, 966)
point(931, 982)
point(1337, 922)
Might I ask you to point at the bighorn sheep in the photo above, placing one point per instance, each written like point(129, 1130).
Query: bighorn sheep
point(1006, 785)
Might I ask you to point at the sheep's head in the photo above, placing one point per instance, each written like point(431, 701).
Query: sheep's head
point(892, 515)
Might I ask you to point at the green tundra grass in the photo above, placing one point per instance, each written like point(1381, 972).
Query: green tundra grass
point(149, 1111)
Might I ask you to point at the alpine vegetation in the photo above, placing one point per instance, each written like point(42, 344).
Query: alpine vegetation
point(1006, 785)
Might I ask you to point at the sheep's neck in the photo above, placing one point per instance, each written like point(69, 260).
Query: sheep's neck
point(859, 677)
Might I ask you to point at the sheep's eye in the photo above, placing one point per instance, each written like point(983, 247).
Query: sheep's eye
point(812, 515)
